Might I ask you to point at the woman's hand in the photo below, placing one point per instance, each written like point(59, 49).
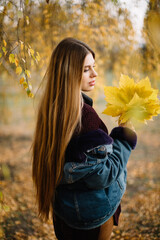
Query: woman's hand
point(127, 124)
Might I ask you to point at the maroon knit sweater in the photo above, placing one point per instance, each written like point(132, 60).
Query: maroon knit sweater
point(91, 120)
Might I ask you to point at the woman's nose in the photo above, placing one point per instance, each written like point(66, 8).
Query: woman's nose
point(94, 73)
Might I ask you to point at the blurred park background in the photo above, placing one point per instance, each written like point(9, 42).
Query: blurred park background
point(125, 36)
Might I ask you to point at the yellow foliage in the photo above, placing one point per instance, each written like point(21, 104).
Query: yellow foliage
point(25, 85)
point(16, 61)
point(89, 21)
point(30, 51)
point(18, 70)
point(31, 95)
point(28, 73)
point(27, 2)
point(4, 43)
point(132, 101)
point(21, 80)
point(27, 20)
point(11, 58)
point(38, 57)
point(22, 45)
point(4, 50)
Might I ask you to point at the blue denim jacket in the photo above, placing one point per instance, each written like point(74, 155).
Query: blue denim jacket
point(91, 190)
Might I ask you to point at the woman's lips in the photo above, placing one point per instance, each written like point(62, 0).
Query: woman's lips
point(92, 83)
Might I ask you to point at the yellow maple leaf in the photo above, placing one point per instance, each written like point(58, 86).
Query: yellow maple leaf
point(132, 101)
point(143, 88)
point(114, 96)
point(126, 82)
point(113, 110)
point(135, 109)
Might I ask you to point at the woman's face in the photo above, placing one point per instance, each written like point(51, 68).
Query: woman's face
point(89, 74)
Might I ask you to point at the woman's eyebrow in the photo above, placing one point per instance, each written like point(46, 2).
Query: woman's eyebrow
point(89, 65)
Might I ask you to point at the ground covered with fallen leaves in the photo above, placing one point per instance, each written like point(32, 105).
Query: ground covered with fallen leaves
point(140, 218)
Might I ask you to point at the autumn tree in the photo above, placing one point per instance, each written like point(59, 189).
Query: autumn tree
point(30, 30)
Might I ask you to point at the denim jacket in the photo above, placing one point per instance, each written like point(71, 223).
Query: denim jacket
point(94, 182)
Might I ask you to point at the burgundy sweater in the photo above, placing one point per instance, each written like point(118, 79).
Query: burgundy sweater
point(91, 120)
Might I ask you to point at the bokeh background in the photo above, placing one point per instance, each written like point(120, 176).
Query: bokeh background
point(125, 36)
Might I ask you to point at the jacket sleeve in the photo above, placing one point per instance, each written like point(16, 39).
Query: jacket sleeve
point(95, 172)
point(98, 173)
point(108, 171)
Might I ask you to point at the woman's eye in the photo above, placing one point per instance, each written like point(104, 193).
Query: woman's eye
point(87, 69)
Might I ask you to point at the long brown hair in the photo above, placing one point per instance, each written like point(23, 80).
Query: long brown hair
point(59, 115)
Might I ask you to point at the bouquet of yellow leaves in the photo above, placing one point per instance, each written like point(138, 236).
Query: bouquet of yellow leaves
point(132, 101)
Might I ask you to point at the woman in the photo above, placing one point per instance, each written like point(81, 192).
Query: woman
point(79, 171)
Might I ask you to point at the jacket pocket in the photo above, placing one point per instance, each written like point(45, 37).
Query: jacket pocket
point(91, 206)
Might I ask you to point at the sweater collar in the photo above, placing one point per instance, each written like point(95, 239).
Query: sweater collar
point(87, 99)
